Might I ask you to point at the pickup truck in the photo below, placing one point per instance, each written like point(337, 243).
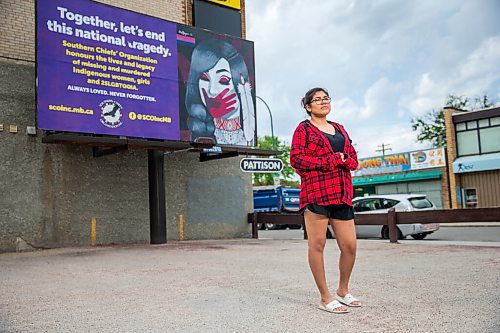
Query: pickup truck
point(276, 199)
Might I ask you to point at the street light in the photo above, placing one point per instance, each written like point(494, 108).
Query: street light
point(270, 116)
point(276, 177)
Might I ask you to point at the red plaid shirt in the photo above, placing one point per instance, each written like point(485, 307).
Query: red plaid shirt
point(326, 180)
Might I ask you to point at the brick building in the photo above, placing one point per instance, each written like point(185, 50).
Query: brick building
point(473, 151)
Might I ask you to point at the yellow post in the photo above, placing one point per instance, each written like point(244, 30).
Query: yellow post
point(93, 224)
point(181, 228)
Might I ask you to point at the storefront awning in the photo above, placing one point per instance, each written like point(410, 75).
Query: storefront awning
point(477, 163)
point(397, 178)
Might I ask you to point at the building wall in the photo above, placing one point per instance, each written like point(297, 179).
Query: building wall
point(445, 187)
point(17, 21)
point(51, 192)
point(486, 184)
point(451, 155)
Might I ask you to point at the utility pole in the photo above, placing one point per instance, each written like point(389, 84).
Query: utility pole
point(383, 148)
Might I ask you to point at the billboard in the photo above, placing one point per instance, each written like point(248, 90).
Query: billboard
point(236, 4)
point(400, 162)
point(224, 20)
point(108, 71)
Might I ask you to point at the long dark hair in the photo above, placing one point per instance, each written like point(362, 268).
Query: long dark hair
point(204, 57)
point(307, 99)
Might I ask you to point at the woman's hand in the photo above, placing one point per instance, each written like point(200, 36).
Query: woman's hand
point(221, 104)
point(343, 157)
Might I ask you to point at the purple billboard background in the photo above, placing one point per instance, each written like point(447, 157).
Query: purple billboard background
point(68, 101)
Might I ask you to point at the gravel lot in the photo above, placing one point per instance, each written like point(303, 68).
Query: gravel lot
point(249, 286)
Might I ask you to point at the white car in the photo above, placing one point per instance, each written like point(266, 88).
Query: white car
point(380, 204)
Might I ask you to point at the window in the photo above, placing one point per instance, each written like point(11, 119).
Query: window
point(467, 143)
point(484, 123)
point(490, 139)
point(420, 203)
point(478, 136)
point(469, 198)
point(388, 203)
point(367, 205)
point(495, 121)
point(460, 127)
point(471, 124)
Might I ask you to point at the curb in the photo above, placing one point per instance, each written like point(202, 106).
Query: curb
point(466, 224)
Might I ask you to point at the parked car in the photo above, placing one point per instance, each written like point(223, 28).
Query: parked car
point(276, 199)
point(380, 204)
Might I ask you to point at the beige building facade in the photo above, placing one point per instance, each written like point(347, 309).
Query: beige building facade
point(473, 152)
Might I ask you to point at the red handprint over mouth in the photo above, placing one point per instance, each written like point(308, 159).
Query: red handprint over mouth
point(220, 105)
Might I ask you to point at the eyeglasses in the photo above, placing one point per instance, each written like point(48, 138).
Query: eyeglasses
point(319, 101)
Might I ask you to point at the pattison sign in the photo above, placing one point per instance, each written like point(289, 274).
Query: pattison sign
point(261, 165)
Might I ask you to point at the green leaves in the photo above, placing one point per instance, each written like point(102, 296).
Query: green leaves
point(430, 127)
point(287, 174)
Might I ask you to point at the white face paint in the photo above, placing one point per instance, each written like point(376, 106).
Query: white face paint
point(215, 80)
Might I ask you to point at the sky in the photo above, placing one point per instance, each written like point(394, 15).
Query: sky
point(383, 62)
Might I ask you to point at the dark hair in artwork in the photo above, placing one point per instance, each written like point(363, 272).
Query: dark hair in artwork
point(205, 56)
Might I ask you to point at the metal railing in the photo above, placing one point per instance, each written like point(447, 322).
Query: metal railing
point(391, 218)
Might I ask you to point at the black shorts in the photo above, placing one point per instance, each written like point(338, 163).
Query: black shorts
point(338, 212)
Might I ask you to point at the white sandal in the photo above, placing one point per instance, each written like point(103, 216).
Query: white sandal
point(332, 307)
point(347, 300)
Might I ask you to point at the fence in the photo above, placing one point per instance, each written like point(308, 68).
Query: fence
point(391, 218)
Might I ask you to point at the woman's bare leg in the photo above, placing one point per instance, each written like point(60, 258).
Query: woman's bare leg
point(345, 234)
point(316, 233)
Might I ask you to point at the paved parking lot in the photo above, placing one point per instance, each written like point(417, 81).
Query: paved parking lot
point(249, 286)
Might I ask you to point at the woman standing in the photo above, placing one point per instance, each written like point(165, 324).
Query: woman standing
point(323, 156)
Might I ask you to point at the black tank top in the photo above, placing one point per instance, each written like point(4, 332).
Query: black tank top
point(337, 141)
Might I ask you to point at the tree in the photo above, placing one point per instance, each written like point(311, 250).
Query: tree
point(431, 128)
point(288, 171)
point(431, 125)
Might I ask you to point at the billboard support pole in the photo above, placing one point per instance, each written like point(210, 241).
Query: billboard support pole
point(157, 210)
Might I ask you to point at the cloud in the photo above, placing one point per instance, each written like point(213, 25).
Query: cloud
point(368, 140)
point(428, 94)
point(482, 67)
point(379, 99)
point(383, 61)
point(473, 76)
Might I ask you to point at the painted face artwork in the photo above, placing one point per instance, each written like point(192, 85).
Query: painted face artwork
point(217, 91)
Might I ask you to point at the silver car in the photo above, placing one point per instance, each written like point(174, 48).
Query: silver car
point(380, 204)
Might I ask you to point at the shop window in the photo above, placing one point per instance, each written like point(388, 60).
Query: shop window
point(490, 139)
point(467, 143)
point(469, 198)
